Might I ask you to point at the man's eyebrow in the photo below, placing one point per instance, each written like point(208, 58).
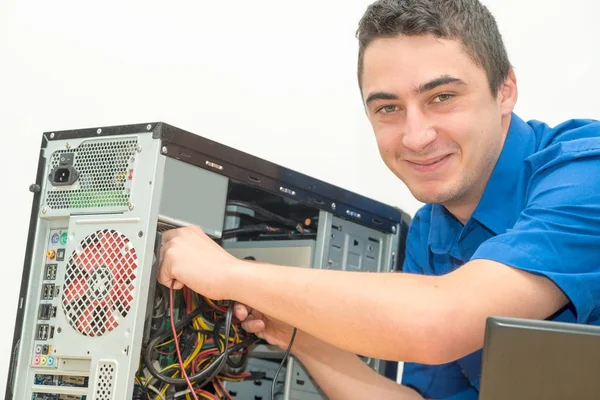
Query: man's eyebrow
point(380, 96)
point(442, 80)
point(425, 87)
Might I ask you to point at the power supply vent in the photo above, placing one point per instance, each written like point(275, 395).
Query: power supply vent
point(105, 167)
point(100, 283)
point(105, 381)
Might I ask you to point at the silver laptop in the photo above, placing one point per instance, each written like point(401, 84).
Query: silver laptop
point(531, 359)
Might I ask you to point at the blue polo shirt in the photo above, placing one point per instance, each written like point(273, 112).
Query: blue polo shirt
point(540, 212)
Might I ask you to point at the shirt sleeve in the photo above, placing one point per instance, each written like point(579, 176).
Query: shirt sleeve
point(557, 235)
point(444, 382)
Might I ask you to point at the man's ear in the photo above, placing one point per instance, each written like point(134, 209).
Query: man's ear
point(508, 93)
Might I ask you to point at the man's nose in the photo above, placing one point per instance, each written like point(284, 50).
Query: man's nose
point(418, 133)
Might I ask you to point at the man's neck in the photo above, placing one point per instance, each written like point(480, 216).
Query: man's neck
point(463, 207)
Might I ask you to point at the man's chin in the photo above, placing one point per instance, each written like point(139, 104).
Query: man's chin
point(431, 195)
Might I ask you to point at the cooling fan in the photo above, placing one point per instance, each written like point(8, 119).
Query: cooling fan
point(99, 284)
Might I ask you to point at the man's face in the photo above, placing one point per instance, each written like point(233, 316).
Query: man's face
point(438, 126)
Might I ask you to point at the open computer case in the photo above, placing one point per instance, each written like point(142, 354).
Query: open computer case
point(90, 311)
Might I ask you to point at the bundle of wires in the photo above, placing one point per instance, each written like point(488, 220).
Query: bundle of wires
point(198, 348)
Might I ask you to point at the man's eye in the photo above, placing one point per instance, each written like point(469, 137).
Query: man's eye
point(388, 109)
point(440, 98)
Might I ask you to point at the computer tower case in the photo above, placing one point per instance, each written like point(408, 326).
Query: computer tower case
point(102, 197)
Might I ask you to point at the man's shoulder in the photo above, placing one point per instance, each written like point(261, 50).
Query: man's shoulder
point(575, 137)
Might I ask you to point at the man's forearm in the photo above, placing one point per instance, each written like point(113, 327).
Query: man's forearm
point(342, 375)
point(320, 302)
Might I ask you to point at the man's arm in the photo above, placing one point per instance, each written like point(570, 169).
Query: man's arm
point(407, 317)
point(343, 376)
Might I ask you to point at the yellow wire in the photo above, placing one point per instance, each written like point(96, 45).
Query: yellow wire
point(170, 341)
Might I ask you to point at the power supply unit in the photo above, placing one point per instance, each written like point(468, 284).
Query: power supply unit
point(92, 321)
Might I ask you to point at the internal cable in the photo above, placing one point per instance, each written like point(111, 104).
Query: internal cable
point(176, 340)
point(285, 356)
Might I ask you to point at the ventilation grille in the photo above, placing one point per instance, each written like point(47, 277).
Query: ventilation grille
point(99, 283)
point(105, 167)
point(105, 381)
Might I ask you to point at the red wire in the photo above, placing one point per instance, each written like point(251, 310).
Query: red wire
point(176, 339)
point(225, 391)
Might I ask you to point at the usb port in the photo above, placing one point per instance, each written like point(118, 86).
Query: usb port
point(46, 311)
point(50, 272)
point(42, 332)
point(47, 291)
point(51, 334)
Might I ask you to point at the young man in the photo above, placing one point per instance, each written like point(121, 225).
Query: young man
point(511, 226)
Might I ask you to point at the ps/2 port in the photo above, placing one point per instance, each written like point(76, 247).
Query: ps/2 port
point(63, 238)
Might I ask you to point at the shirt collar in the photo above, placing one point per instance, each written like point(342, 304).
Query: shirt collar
point(499, 206)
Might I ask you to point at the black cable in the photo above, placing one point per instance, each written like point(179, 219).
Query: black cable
point(285, 356)
point(211, 371)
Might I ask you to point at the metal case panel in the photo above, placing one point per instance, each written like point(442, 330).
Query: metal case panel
point(193, 196)
point(81, 345)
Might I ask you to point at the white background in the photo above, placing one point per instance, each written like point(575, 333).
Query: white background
point(274, 78)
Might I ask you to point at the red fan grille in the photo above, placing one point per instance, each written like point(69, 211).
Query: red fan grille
point(100, 283)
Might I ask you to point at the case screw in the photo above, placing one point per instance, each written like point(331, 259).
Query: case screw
point(148, 127)
point(333, 206)
point(34, 188)
point(44, 210)
point(138, 148)
point(130, 206)
point(164, 149)
point(394, 229)
point(52, 135)
point(68, 146)
point(99, 131)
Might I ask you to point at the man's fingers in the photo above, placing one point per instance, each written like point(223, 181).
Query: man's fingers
point(241, 311)
point(178, 285)
point(253, 326)
point(168, 235)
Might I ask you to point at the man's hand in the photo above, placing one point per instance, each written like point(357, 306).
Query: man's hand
point(191, 258)
point(270, 329)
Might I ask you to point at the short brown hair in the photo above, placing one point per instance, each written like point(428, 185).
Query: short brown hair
point(466, 20)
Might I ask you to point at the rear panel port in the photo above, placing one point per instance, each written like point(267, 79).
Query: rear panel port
point(51, 254)
point(47, 291)
point(36, 359)
point(63, 175)
point(50, 272)
point(46, 311)
point(38, 349)
point(54, 238)
point(63, 238)
point(41, 332)
point(76, 381)
point(51, 334)
point(45, 349)
point(50, 361)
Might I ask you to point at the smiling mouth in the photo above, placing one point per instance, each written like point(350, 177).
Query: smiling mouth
point(428, 163)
